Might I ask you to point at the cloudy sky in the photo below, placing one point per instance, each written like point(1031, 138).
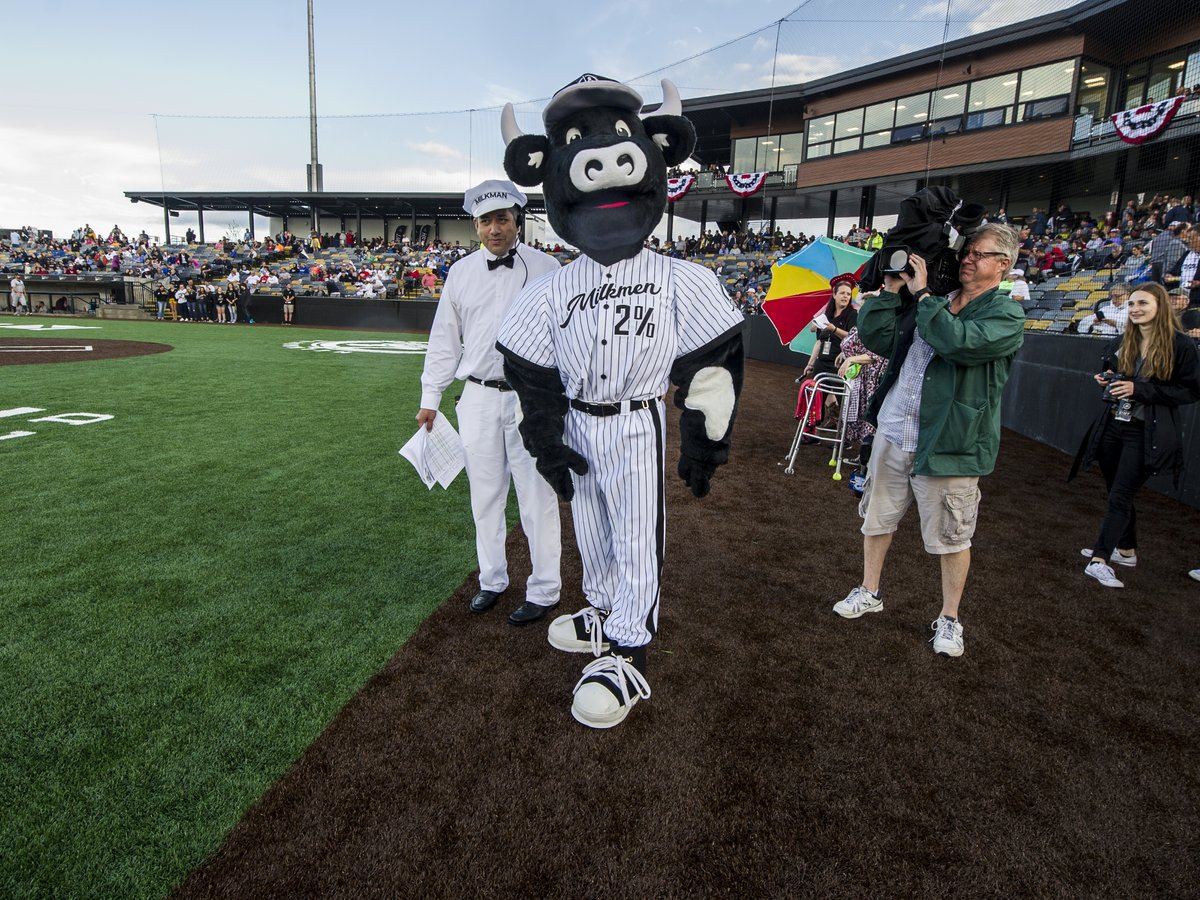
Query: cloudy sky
point(143, 96)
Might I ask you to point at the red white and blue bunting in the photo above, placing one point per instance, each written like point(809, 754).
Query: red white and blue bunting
point(746, 183)
point(1138, 125)
point(677, 187)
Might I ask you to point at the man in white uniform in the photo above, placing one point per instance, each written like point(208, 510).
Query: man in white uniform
point(462, 345)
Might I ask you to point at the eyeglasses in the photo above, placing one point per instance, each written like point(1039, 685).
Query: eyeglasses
point(977, 255)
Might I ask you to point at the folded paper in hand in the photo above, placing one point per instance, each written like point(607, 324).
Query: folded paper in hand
point(437, 455)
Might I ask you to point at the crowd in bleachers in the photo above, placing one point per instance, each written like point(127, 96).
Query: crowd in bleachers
point(1068, 265)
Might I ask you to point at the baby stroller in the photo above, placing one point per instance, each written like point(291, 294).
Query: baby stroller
point(809, 406)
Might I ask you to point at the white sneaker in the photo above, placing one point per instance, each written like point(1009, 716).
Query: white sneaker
point(607, 690)
point(857, 602)
point(1195, 573)
point(1116, 557)
point(580, 633)
point(947, 637)
point(1103, 574)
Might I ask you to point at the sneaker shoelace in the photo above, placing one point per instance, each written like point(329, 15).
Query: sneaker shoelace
point(943, 629)
point(863, 598)
point(620, 673)
point(593, 624)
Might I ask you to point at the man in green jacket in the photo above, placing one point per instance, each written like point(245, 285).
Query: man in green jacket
point(937, 415)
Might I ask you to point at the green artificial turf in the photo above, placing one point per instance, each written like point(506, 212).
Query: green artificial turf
point(191, 590)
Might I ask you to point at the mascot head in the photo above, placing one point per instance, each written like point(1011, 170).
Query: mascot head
point(603, 168)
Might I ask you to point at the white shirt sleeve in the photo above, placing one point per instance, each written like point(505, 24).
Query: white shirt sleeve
point(445, 347)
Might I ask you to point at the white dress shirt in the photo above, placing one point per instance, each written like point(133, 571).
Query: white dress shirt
point(462, 341)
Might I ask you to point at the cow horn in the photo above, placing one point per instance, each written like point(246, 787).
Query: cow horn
point(508, 125)
point(671, 104)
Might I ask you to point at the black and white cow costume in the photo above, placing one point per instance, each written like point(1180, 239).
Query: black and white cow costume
point(591, 350)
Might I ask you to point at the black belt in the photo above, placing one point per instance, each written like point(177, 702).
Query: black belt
point(611, 409)
point(500, 385)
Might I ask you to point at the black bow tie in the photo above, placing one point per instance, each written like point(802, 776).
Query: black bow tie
point(502, 261)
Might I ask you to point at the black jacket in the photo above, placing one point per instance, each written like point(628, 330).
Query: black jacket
point(1160, 400)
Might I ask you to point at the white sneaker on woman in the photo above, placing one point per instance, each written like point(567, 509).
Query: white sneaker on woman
point(1117, 557)
point(1103, 573)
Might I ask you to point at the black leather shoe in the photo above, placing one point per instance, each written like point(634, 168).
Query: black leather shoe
point(528, 612)
point(484, 600)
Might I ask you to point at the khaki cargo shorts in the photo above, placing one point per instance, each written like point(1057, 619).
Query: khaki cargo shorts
point(948, 506)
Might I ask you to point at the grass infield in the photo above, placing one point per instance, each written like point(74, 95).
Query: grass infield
point(193, 588)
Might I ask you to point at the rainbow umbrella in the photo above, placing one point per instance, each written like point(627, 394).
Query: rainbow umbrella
point(800, 287)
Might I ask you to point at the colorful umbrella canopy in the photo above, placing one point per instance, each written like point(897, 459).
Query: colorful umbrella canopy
point(800, 287)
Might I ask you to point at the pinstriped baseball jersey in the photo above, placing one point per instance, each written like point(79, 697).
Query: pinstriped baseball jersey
point(614, 331)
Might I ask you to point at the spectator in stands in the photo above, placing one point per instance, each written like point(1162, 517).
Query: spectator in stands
point(1186, 272)
point(429, 281)
point(1037, 222)
point(1166, 249)
point(1113, 259)
point(1136, 435)
point(1136, 267)
point(1111, 316)
point(1020, 287)
point(1184, 212)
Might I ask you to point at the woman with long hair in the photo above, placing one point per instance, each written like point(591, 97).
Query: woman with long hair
point(1147, 374)
point(840, 317)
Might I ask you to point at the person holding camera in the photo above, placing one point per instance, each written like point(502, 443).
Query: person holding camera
point(1147, 375)
point(936, 414)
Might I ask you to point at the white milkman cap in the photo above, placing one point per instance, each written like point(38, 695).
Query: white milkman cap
point(491, 196)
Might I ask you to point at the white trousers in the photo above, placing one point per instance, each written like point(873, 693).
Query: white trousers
point(487, 423)
point(620, 517)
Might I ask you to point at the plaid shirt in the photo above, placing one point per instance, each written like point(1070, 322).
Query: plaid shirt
point(899, 417)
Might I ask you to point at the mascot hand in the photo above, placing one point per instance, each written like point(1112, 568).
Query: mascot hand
point(696, 474)
point(556, 468)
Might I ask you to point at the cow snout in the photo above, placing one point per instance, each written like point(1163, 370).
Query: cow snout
point(604, 168)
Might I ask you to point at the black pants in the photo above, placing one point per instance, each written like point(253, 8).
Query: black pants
point(1121, 456)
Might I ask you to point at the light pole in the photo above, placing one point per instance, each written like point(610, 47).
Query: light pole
point(315, 178)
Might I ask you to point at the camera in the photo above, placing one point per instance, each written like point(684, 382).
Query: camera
point(1108, 378)
point(894, 260)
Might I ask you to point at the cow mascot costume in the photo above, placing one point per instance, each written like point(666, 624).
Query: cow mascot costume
point(591, 350)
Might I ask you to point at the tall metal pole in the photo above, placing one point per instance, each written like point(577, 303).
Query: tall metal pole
point(314, 170)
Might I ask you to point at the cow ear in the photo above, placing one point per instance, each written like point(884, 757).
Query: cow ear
point(674, 135)
point(525, 159)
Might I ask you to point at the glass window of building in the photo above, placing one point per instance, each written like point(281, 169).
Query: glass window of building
point(1191, 76)
point(846, 145)
point(768, 154)
point(1051, 80)
point(1166, 76)
point(790, 149)
point(849, 124)
point(912, 110)
point(879, 117)
point(990, 101)
point(877, 139)
point(1092, 96)
point(744, 152)
point(949, 102)
point(815, 151)
point(820, 130)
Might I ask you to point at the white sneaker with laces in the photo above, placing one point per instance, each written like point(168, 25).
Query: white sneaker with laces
point(1195, 573)
point(580, 633)
point(1116, 557)
point(857, 602)
point(947, 637)
point(1103, 573)
point(607, 690)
